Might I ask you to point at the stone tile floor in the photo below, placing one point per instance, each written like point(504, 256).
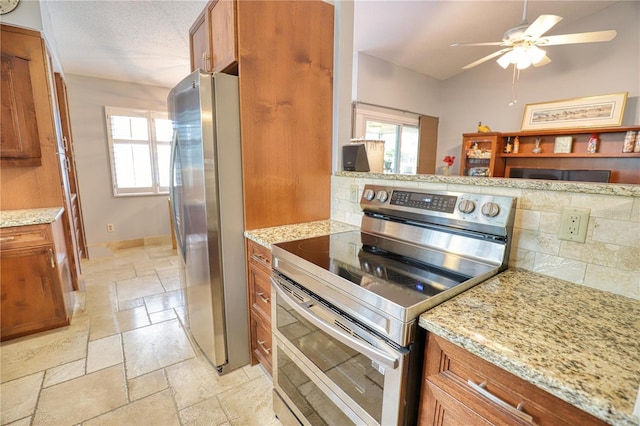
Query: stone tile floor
point(126, 358)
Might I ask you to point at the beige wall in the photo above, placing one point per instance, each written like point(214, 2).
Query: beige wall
point(133, 217)
point(608, 260)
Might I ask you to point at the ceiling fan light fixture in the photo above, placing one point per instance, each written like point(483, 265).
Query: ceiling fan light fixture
point(536, 54)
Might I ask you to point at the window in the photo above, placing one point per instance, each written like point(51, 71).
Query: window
point(140, 150)
point(399, 130)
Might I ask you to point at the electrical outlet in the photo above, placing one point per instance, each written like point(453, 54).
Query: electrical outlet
point(573, 225)
point(354, 193)
point(110, 227)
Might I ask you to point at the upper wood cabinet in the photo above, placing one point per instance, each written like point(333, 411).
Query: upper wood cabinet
point(213, 38)
point(282, 52)
point(19, 136)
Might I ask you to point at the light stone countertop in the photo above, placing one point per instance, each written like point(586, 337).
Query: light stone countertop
point(628, 190)
point(279, 234)
point(25, 217)
point(580, 344)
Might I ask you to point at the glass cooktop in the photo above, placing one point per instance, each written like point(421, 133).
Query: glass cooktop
point(398, 272)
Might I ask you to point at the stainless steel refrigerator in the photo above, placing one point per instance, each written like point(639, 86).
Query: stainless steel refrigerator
point(206, 202)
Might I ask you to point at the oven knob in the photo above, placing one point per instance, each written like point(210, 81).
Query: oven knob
point(466, 206)
point(379, 271)
point(490, 209)
point(366, 266)
point(369, 194)
point(382, 196)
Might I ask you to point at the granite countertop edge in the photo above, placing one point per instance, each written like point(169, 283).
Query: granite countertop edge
point(511, 359)
point(27, 217)
point(278, 234)
point(620, 189)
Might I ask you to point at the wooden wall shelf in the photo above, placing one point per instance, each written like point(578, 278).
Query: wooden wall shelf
point(624, 166)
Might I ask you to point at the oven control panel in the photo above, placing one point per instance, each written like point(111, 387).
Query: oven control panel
point(445, 205)
point(419, 200)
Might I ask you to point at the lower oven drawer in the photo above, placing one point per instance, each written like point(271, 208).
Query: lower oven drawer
point(308, 399)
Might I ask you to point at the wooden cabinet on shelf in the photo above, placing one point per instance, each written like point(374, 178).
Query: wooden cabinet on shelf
point(213, 38)
point(459, 388)
point(21, 70)
point(259, 272)
point(37, 293)
point(479, 154)
point(609, 156)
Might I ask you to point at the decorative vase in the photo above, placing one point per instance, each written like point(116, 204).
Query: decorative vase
point(446, 170)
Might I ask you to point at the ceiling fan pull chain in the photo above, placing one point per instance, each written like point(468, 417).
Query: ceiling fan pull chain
point(514, 86)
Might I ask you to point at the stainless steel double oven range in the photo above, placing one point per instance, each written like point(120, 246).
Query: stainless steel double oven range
point(347, 346)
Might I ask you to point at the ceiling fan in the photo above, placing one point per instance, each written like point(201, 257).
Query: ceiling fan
point(521, 44)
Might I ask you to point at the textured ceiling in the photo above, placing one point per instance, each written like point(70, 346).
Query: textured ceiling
point(139, 41)
point(147, 40)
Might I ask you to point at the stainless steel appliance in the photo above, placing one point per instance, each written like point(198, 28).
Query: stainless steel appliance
point(206, 200)
point(347, 346)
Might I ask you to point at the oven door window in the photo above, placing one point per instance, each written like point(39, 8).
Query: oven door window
point(345, 369)
point(313, 403)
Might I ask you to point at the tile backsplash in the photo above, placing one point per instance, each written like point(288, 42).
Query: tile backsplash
point(609, 259)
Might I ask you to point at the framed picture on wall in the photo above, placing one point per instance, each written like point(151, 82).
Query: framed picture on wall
point(592, 111)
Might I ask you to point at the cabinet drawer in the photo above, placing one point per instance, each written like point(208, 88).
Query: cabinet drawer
point(259, 255)
point(260, 292)
point(24, 236)
point(489, 391)
point(261, 345)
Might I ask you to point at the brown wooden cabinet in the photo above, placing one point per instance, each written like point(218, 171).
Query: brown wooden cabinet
point(37, 293)
point(459, 388)
point(479, 155)
point(285, 70)
point(19, 135)
point(258, 274)
point(46, 183)
point(213, 38)
point(76, 219)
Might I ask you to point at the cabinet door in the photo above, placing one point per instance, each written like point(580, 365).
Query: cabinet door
point(199, 43)
point(222, 20)
point(19, 139)
point(32, 299)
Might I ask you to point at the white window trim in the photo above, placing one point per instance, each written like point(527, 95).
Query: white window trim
point(155, 189)
point(362, 112)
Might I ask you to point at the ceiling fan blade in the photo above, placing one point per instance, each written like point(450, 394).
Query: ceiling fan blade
point(488, 43)
point(541, 25)
point(486, 58)
point(592, 37)
point(544, 61)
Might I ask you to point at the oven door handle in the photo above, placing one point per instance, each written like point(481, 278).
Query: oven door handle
point(376, 354)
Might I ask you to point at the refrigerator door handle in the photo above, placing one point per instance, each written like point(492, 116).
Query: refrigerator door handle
point(176, 203)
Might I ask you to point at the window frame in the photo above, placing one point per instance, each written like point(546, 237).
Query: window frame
point(367, 112)
point(152, 143)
